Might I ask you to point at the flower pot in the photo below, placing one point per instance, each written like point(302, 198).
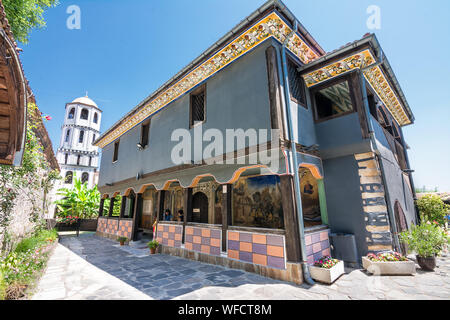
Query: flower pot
point(122, 243)
point(327, 275)
point(426, 263)
point(389, 268)
point(152, 250)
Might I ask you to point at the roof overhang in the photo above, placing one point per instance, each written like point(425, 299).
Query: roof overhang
point(272, 20)
point(367, 56)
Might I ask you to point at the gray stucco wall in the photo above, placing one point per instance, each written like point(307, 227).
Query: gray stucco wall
point(341, 136)
point(237, 97)
point(344, 203)
point(397, 187)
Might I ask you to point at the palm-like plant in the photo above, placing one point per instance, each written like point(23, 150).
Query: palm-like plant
point(79, 201)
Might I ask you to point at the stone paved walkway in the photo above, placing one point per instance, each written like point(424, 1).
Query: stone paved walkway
point(89, 267)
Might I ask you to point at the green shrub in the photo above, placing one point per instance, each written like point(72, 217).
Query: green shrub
point(432, 208)
point(41, 237)
point(3, 286)
point(426, 240)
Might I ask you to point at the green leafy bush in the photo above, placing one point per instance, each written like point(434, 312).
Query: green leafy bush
point(426, 240)
point(2, 286)
point(432, 208)
point(38, 239)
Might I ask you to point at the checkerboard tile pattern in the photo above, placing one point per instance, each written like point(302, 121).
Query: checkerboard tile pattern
point(258, 248)
point(204, 240)
point(317, 245)
point(169, 235)
point(121, 228)
point(125, 227)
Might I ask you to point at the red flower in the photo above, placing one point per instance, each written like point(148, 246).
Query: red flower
point(48, 118)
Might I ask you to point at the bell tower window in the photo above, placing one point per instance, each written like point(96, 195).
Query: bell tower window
point(84, 114)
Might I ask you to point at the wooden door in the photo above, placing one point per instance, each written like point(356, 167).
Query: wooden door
point(200, 208)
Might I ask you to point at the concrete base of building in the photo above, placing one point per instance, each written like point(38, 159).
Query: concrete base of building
point(292, 273)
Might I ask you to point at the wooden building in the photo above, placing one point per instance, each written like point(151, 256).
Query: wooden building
point(342, 160)
point(13, 97)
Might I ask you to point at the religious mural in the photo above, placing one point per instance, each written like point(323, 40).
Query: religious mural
point(310, 198)
point(257, 202)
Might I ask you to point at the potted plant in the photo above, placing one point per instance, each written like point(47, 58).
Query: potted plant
point(427, 240)
point(388, 263)
point(327, 269)
point(153, 245)
point(122, 240)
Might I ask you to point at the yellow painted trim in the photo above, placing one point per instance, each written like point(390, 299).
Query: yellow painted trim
point(270, 26)
point(375, 76)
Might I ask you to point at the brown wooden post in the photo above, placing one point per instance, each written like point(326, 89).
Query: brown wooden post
point(123, 206)
point(226, 212)
point(111, 206)
point(275, 93)
point(293, 248)
point(100, 210)
point(160, 209)
point(187, 209)
point(137, 214)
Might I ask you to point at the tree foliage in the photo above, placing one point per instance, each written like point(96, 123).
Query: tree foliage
point(25, 15)
point(79, 201)
point(432, 208)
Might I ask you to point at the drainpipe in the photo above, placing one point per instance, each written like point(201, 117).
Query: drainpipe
point(294, 162)
point(375, 148)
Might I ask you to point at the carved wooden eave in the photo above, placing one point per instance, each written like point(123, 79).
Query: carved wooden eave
point(362, 55)
point(271, 25)
point(13, 98)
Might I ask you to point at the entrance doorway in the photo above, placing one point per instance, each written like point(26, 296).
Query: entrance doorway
point(200, 208)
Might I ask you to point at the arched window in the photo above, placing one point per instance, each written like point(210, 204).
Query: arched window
point(81, 138)
point(84, 177)
point(71, 113)
point(84, 114)
point(69, 177)
point(95, 117)
point(67, 135)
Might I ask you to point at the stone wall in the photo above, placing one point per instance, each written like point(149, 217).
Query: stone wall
point(378, 234)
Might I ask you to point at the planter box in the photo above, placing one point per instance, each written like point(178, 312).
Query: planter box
point(389, 268)
point(327, 275)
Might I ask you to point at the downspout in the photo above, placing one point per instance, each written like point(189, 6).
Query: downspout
point(375, 148)
point(294, 161)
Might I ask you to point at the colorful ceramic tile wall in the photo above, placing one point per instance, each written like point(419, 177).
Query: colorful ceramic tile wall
point(121, 228)
point(262, 249)
point(169, 235)
point(204, 240)
point(317, 245)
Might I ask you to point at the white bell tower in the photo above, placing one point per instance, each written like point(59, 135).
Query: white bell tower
point(77, 157)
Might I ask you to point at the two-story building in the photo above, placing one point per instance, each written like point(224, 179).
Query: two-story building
point(268, 145)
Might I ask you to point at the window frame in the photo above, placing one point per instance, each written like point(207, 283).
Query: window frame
point(116, 151)
point(303, 85)
point(81, 137)
point(331, 83)
point(95, 119)
point(81, 114)
point(195, 92)
point(141, 140)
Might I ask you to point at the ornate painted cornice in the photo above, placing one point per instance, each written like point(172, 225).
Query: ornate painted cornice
point(270, 26)
point(375, 76)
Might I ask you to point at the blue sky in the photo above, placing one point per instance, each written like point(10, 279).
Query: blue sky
point(126, 49)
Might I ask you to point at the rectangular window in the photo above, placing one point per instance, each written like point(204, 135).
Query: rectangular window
point(145, 130)
point(333, 101)
point(198, 106)
point(116, 151)
point(296, 84)
point(81, 138)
